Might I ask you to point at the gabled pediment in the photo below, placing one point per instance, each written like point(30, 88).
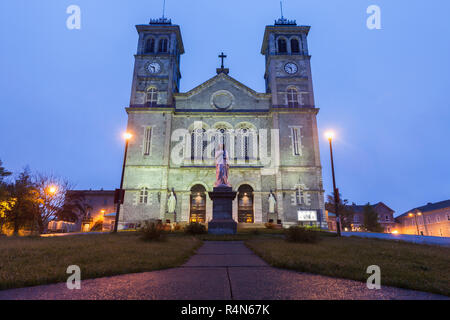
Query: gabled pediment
point(222, 92)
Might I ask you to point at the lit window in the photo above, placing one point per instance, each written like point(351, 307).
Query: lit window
point(162, 48)
point(152, 96)
point(147, 141)
point(143, 195)
point(292, 97)
point(295, 46)
point(282, 46)
point(150, 46)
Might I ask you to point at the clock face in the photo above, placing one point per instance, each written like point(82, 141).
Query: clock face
point(290, 68)
point(154, 67)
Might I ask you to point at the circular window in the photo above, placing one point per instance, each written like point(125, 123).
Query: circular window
point(222, 99)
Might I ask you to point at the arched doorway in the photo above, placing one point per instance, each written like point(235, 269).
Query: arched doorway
point(198, 204)
point(245, 204)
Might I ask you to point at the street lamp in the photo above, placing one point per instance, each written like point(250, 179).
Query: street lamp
point(414, 214)
point(330, 136)
point(127, 136)
point(51, 190)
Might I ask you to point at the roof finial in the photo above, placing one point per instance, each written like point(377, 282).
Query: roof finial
point(283, 20)
point(163, 19)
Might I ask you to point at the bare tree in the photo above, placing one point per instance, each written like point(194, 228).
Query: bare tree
point(52, 192)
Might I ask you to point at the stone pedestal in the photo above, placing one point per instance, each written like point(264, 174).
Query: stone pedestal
point(222, 221)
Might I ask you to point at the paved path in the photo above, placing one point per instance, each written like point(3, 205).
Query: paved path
point(219, 271)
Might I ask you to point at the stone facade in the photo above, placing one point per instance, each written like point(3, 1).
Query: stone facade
point(432, 219)
point(272, 137)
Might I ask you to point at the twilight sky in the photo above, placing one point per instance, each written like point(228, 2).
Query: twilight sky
point(385, 92)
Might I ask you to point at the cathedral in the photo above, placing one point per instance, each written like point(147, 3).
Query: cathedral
point(271, 137)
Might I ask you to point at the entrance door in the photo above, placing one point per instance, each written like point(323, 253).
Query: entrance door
point(245, 204)
point(198, 204)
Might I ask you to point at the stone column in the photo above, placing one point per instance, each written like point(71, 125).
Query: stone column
point(209, 209)
point(257, 207)
point(185, 207)
point(235, 209)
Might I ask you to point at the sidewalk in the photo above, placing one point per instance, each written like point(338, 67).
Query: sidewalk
point(219, 271)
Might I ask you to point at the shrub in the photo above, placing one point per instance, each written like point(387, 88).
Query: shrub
point(194, 228)
point(255, 231)
point(301, 235)
point(177, 227)
point(269, 225)
point(152, 231)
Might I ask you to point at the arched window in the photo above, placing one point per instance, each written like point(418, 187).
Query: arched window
point(143, 195)
point(152, 96)
point(150, 46)
point(292, 97)
point(198, 144)
point(162, 45)
point(282, 46)
point(246, 143)
point(295, 46)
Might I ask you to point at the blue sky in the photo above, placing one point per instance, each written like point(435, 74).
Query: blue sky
point(385, 92)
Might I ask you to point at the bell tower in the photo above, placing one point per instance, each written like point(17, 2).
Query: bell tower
point(288, 69)
point(157, 64)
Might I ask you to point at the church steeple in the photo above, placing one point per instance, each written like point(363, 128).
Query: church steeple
point(157, 64)
point(288, 73)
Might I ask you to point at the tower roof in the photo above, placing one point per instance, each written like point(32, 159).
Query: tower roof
point(285, 28)
point(163, 25)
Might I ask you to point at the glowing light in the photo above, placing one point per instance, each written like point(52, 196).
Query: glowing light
point(127, 136)
point(52, 190)
point(395, 232)
point(419, 214)
point(329, 135)
point(410, 215)
point(102, 211)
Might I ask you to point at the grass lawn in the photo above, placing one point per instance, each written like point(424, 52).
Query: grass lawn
point(403, 265)
point(32, 261)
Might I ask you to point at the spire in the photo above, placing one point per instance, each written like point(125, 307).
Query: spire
point(283, 20)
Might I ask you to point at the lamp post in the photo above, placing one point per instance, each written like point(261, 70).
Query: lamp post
point(413, 214)
point(51, 190)
point(127, 136)
point(330, 135)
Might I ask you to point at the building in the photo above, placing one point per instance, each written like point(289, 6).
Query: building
point(385, 217)
point(97, 204)
point(271, 137)
point(432, 219)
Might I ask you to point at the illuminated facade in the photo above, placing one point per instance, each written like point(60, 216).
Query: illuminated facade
point(432, 219)
point(271, 137)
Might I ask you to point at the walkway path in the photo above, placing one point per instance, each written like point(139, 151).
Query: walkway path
point(220, 270)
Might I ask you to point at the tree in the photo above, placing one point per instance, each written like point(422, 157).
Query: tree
point(371, 219)
point(75, 208)
point(5, 201)
point(345, 211)
point(25, 197)
point(52, 193)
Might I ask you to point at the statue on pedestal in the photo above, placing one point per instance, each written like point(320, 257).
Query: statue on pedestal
point(222, 167)
point(172, 202)
point(272, 202)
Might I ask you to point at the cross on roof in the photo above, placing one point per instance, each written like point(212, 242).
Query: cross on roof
point(222, 56)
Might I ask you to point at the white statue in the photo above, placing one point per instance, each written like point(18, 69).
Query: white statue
point(222, 166)
point(272, 202)
point(172, 202)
